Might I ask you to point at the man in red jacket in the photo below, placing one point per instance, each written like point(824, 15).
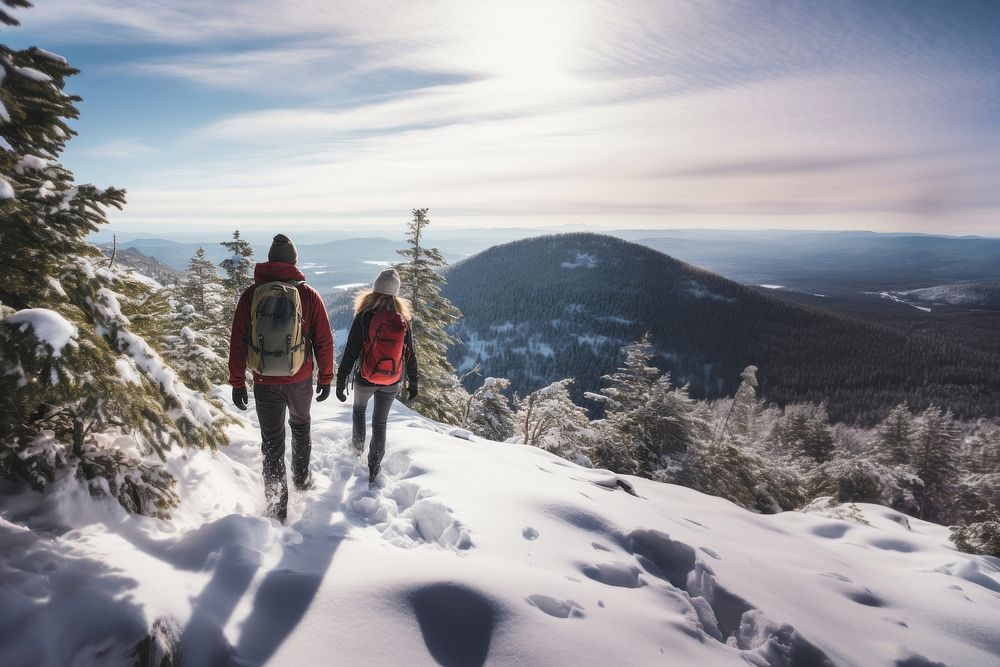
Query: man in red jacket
point(273, 395)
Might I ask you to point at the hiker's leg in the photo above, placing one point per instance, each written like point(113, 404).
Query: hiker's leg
point(299, 398)
point(383, 402)
point(271, 414)
point(361, 397)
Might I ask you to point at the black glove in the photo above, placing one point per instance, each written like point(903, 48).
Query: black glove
point(240, 399)
point(411, 392)
point(322, 392)
point(341, 395)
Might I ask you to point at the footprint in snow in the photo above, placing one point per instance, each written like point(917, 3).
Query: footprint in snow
point(400, 510)
point(616, 574)
point(832, 531)
point(555, 607)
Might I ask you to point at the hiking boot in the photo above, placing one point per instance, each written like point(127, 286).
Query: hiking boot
point(278, 514)
point(306, 484)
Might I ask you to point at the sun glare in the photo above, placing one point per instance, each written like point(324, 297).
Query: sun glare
point(525, 44)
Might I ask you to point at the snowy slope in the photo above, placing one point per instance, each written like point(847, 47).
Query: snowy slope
point(475, 551)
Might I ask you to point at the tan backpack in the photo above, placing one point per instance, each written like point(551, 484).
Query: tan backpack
point(276, 345)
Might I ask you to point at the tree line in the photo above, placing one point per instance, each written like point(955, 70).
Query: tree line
point(761, 456)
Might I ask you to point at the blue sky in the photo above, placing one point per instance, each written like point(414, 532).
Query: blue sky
point(827, 115)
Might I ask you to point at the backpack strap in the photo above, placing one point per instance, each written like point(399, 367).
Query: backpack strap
point(299, 284)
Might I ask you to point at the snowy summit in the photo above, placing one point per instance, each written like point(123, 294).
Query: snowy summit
point(476, 552)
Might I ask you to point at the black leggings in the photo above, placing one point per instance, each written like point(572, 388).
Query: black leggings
point(383, 401)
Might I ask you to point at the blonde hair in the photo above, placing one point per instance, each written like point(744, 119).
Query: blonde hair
point(371, 301)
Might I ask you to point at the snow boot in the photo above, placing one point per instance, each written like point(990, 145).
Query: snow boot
point(306, 484)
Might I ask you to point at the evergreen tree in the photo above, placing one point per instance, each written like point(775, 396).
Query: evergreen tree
point(853, 478)
point(441, 396)
point(79, 387)
point(238, 267)
point(548, 419)
point(983, 454)
point(979, 537)
point(978, 495)
point(654, 421)
point(803, 430)
point(488, 412)
point(732, 464)
point(7, 18)
point(894, 439)
point(188, 352)
point(739, 474)
point(744, 406)
point(203, 289)
point(935, 461)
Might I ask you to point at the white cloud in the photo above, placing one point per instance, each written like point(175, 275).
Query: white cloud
point(120, 148)
point(669, 111)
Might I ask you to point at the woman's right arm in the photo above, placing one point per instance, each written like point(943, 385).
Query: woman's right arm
point(355, 341)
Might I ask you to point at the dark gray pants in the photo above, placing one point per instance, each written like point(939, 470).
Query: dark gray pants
point(272, 400)
point(380, 414)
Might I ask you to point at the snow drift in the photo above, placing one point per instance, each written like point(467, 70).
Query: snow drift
point(473, 552)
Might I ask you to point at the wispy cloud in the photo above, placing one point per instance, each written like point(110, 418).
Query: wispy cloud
point(859, 114)
point(120, 148)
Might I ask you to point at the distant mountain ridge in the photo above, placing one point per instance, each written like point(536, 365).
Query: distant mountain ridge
point(813, 260)
point(545, 308)
point(144, 264)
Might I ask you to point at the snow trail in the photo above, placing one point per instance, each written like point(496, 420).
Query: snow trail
point(471, 552)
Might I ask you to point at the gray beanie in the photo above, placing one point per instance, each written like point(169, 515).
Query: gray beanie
point(282, 250)
point(387, 283)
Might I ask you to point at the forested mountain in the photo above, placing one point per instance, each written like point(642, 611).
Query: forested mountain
point(144, 264)
point(552, 307)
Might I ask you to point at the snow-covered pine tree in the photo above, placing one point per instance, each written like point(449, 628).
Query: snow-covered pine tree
point(549, 419)
point(79, 388)
point(732, 464)
point(983, 453)
point(8, 19)
point(894, 436)
point(978, 495)
point(978, 537)
point(739, 421)
point(740, 474)
point(238, 267)
point(187, 351)
point(441, 395)
point(803, 430)
point(862, 478)
point(656, 422)
point(203, 289)
point(488, 412)
point(978, 529)
point(935, 460)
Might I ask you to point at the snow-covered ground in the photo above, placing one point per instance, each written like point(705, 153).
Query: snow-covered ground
point(893, 297)
point(472, 551)
point(960, 294)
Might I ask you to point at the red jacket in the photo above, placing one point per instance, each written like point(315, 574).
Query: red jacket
point(314, 318)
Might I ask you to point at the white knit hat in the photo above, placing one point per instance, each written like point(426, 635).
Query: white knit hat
point(387, 283)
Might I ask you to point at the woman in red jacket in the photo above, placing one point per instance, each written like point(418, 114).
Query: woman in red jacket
point(380, 346)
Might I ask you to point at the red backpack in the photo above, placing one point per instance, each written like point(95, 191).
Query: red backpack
point(382, 355)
